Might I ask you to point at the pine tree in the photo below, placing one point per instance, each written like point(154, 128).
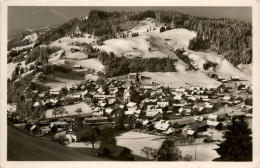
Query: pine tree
point(237, 145)
point(168, 151)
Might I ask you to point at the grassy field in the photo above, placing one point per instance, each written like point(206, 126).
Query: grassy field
point(24, 147)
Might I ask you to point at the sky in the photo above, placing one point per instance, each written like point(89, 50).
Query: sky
point(23, 17)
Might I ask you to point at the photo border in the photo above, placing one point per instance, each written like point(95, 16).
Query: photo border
point(137, 164)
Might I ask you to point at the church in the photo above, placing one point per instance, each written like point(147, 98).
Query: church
point(133, 88)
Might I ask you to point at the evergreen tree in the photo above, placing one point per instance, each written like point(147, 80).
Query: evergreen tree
point(237, 145)
point(168, 151)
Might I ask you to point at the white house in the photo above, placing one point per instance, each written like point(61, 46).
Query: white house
point(213, 117)
point(162, 104)
point(162, 125)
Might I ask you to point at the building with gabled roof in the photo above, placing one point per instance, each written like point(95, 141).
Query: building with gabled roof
point(115, 152)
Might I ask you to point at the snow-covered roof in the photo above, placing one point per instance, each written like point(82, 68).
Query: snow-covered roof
point(162, 125)
point(226, 98)
point(212, 123)
point(162, 104)
point(36, 104)
point(169, 131)
point(198, 118)
point(108, 110)
point(213, 116)
point(131, 104)
point(145, 122)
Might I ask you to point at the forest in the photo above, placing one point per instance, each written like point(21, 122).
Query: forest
point(115, 66)
point(229, 37)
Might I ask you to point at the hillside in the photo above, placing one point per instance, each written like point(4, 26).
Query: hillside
point(231, 38)
point(118, 43)
point(23, 147)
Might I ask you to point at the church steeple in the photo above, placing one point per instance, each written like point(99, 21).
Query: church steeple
point(137, 82)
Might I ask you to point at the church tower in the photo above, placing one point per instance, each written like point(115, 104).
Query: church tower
point(137, 82)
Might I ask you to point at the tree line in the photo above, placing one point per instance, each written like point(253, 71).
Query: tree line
point(115, 66)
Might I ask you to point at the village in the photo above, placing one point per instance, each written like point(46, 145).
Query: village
point(128, 104)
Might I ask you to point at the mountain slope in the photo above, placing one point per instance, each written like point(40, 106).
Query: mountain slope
point(23, 147)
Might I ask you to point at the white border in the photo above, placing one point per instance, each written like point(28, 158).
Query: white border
point(166, 3)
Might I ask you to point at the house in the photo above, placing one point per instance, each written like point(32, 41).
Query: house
point(78, 96)
point(53, 101)
point(99, 97)
point(41, 95)
point(182, 122)
point(71, 136)
point(221, 78)
point(108, 111)
point(208, 107)
point(149, 88)
point(169, 131)
point(198, 118)
point(241, 87)
point(235, 113)
point(162, 104)
point(199, 126)
point(234, 78)
point(187, 112)
point(115, 152)
point(212, 117)
point(60, 125)
point(154, 114)
point(54, 92)
point(162, 125)
point(77, 66)
point(247, 108)
point(73, 50)
point(36, 104)
point(35, 129)
point(11, 108)
point(215, 124)
point(131, 105)
point(226, 98)
point(189, 132)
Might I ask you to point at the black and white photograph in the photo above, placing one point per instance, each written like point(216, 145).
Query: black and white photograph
point(129, 83)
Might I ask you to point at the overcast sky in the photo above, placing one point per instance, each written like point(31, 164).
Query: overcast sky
point(28, 17)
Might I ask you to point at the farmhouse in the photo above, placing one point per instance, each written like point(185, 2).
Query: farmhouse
point(234, 78)
point(54, 92)
point(115, 152)
point(212, 117)
point(77, 66)
point(154, 114)
point(162, 125)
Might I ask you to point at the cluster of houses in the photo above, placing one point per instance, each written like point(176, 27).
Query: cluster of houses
point(154, 108)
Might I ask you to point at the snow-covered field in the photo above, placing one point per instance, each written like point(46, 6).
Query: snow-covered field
point(136, 141)
point(127, 46)
point(77, 56)
point(143, 25)
point(66, 42)
point(32, 37)
point(71, 109)
point(224, 68)
point(158, 42)
point(181, 79)
point(177, 38)
point(92, 63)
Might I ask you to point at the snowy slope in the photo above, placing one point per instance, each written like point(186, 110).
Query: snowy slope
point(32, 37)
